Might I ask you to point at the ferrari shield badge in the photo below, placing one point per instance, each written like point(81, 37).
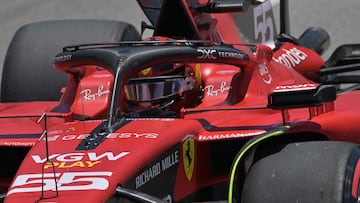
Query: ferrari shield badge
point(188, 149)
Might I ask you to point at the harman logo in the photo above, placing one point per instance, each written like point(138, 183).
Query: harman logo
point(188, 149)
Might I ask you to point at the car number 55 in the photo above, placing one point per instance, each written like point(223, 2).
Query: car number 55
point(264, 25)
point(65, 181)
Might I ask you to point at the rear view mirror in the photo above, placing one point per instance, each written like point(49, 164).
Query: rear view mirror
point(224, 6)
point(299, 96)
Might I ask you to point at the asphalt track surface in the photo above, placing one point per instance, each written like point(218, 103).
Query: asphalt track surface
point(340, 18)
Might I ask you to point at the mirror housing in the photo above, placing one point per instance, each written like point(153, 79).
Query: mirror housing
point(224, 6)
point(300, 96)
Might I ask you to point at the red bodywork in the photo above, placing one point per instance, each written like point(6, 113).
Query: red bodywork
point(171, 158)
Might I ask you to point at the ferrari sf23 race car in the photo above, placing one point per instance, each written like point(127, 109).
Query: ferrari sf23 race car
point(215, 106)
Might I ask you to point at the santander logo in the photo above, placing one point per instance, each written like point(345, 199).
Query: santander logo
point(291, 57)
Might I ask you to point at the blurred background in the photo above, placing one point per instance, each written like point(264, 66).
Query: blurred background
point(339, 18)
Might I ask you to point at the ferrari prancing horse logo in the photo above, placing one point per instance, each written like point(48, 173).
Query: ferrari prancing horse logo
point(188, 149)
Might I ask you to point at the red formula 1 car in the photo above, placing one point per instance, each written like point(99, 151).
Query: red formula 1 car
point(214, 106)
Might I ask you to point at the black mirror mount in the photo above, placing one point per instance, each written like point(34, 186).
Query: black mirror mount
point(224, 6)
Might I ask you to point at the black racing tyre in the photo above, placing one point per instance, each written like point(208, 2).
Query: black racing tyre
point(323, 171)
point(315, 38)
point(28, 73)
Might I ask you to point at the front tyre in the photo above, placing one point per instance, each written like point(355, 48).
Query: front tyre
point(324, 171)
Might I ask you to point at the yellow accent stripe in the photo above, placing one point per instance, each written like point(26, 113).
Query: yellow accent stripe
point(246, 148)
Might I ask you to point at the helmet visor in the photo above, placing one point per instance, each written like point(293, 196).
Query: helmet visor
point(155, 88)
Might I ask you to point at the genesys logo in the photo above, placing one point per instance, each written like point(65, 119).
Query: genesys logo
point(70, 181)
point(76, 159)
point(115, 135)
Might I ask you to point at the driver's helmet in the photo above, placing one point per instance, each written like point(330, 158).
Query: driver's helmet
point(167, 87)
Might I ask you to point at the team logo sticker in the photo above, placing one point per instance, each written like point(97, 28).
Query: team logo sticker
point(188, 149)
